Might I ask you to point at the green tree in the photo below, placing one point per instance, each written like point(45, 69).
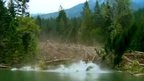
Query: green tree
point(97, 17)
point(62, 23)
point(73, 29)
point(28, 33)
point(97, 7)
point(21, 7)
point(86, 25)
point(6, 31)
point(120, 35)
point(11, 7)
point(39, 20)
point(18, 36)
point(138, 39)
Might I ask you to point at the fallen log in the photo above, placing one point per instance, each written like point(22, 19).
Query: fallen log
point(141, 65)
point(129, 60)
point(140, 74)
point(58, 60)
point(3, 66)
point(136, 74)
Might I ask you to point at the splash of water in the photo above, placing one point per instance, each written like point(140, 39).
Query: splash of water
point(80, 67)
point(26, 68)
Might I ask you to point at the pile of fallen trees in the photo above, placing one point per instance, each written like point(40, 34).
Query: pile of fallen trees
point(135, 55)
point(133, 62)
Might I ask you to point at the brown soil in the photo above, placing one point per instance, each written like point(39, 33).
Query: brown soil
point(50, 51)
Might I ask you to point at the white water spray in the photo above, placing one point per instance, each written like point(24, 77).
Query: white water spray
point(80, 67)
point(26, 68)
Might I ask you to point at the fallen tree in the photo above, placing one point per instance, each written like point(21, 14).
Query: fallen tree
point(4, 66)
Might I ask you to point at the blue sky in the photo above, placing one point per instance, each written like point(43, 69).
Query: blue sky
point(48, 6)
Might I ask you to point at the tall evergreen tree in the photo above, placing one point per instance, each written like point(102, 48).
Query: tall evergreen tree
point(39, 21)
point(119, 37)
point(86, 25)
point(98, 17)
point(11, 7)
point(86, 10)
point(6, 31)
point(62, 22)
point(21, 7)
point(97, 7)
point(138, 38)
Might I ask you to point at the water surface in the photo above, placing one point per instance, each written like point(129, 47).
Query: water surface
point(8, 75)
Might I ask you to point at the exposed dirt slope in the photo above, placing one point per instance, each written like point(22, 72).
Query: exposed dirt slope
point(54, 51)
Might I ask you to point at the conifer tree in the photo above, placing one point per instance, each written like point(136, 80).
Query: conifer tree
point(6, 31)
point(21, 7)
point(11, 7)
point(86, 25)
point(119, 36)
point(62, 22)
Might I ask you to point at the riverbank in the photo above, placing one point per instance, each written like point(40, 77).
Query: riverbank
point(53, 53)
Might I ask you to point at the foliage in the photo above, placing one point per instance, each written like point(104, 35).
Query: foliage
point(6, 31)
point(28, 32)
point(42, 65)
point(62, 23)
point(86, 25)
point(18, 36)
point(113, 23)
point(120, 34)
point(134, 67)
point(138, 38)
point(11, 8)
point(22, 7)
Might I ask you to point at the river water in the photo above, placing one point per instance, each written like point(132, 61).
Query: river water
point(7, 75)
point(80, 71)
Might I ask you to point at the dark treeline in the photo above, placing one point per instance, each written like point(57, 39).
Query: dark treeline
point(18, 33)
point(112, 23)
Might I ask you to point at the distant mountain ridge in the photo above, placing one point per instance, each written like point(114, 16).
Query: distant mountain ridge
point(76, 10)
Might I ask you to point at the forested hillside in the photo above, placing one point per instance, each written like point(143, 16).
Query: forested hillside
point(135, 5)
point(113, 25)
